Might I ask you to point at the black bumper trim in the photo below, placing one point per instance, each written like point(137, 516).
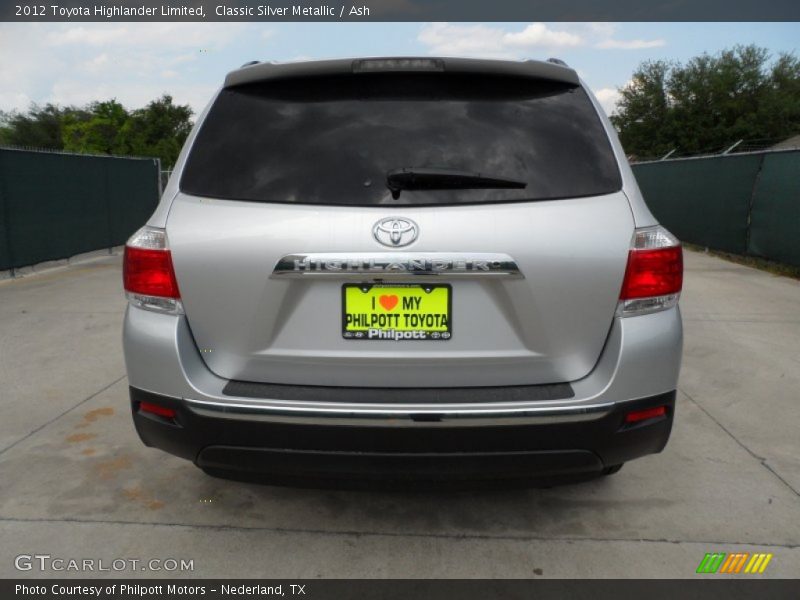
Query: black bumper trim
point(467, 466)
point(511, 393)
point(248, 446)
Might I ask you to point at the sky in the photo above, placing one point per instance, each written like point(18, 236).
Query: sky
point(76, 63)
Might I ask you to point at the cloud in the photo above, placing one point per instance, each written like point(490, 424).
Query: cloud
point(300, 58)
point(603, 38)
point(603, 29)
point(146, 35)
point(608, 98)
point(96, 63)
point(132, 62)
point(87, 36)
point(629, 44)
point(23, 64)
point(494, 42)
point(14, 101)
point(131, 94)
point(136, 62)
point(537, 35)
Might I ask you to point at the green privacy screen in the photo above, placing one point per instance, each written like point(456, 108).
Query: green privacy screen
point(58, 205)
point(746, 204)
point(55, 206)
point(775, 225)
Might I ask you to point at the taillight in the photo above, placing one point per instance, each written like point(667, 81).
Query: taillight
point(157, 409)
point(637, 416)
point(654, 274)
point(148, 274)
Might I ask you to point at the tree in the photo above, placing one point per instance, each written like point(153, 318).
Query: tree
point(97, 134)
point(780, 111)
point(40, 127)
point(159, 129)
point(643, 116)
point(5, 130)
point(709, 102)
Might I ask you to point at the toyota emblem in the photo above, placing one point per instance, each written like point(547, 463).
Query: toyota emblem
point(395, 232)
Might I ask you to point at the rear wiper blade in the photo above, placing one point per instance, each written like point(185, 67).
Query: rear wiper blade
point(445, 179)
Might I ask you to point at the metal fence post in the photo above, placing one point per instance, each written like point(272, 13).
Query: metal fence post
point(160, 179)
point(753, 189)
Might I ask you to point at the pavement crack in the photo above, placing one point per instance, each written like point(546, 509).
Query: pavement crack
point(57, 417)
point(760, 459)
point(393, 534)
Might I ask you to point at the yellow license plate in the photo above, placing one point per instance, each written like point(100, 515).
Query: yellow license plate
point(399, 312)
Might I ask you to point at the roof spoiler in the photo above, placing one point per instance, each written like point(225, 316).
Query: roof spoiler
point(256, 71)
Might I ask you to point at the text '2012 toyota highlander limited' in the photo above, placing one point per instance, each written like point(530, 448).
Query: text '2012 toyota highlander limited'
point(403, 269)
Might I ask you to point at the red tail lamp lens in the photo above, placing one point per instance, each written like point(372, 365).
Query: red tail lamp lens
point(161, 411)
point(637, 416)
point(655, 272)
point(149, 272)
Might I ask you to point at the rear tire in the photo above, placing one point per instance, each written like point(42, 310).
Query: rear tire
point(612, 469)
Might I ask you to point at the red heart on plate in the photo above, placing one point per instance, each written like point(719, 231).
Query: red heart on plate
point(388, 302)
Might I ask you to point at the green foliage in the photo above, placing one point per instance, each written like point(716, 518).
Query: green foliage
point(97, 134)
point(159, 129)
point(5, 131)
point(709, 102)
point(41, 126)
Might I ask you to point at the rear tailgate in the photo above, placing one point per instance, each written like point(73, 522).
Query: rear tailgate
point(295, 166)
point(549, 326)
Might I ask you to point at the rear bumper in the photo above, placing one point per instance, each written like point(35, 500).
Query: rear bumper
point(248, 445)
point(641, 358)
point(476, 433)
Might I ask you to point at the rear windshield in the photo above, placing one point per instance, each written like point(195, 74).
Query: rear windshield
point(333, 140)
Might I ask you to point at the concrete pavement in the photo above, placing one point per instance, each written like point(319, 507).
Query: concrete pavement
point(75, 481)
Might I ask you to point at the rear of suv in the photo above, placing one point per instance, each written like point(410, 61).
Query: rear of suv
point(403, 269)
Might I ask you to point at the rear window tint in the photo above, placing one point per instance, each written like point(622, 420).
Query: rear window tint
point(332, 140)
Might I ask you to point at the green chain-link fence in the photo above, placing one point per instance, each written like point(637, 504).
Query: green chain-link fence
point(745, 204)
point(54, 206)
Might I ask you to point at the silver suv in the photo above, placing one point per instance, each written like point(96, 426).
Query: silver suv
point(403, 269)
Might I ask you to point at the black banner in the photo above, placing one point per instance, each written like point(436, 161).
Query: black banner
point(399, 10)
point(406, 589)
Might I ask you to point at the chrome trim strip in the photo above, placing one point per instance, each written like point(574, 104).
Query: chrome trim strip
point(406, 415)
point(379, 265)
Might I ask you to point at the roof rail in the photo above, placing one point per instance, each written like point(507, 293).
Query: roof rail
point(557, 61)
point(250, 63)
